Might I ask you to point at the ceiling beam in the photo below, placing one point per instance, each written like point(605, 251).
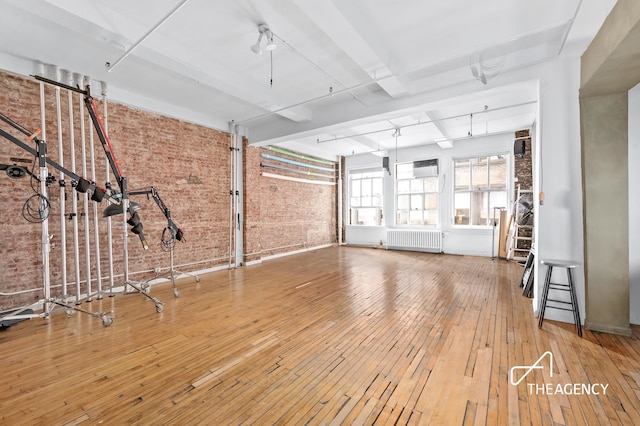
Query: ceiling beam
point(337, 27)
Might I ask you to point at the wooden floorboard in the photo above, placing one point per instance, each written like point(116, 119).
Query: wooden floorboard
point(342, 335)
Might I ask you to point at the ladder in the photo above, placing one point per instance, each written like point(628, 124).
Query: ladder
point(520, 238)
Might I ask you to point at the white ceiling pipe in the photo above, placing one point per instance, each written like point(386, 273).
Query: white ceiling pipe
point(53, 72)
point(39, 69)
point(421, 123)
point(111, 66)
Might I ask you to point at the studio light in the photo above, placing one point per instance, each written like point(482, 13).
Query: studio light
point(265, 32)
point(256, 47)
point(116, 209)
point(270, 44)
point(82, 185)
point(16, 172)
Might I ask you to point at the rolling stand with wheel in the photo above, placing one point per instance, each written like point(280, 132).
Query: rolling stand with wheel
point(170, 235)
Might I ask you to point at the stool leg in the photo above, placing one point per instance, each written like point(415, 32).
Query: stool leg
point(574, 303)
point(545, 294)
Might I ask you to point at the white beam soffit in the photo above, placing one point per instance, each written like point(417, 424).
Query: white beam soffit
point(335, 25)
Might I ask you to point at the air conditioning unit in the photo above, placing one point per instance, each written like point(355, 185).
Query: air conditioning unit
point(425, 168)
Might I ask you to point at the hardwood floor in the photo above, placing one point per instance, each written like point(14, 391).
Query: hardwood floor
point(341, 335)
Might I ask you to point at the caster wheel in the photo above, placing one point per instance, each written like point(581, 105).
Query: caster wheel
point(176, 293)
point(197, 279)
point(159, 307)
point(107, 320)
point(69, 313)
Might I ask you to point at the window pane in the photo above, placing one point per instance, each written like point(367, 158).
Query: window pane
point(430, 201)
point(355, 201)
point(480, 173)
point(498, 199)
point(431, 217)
point(415, 217)
point(498, 172)
point(365, 201)
point(416, 202)
point(430, 184)
point(366, 187)
point(355, 188)
point(403, 202)
point(479, 208)
point(404, 171)
point(462, 176)
point(416, 185)
point(461, 207)
point(377, 187)
point(402, 218)
point(404, 186)
point(365, 216)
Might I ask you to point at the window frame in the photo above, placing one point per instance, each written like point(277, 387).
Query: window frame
point(506, 190)
point(411, 194)
point(379, 212)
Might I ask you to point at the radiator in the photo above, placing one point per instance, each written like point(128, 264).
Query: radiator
point(416, 240)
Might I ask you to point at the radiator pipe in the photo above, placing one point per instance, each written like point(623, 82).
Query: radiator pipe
point(63, 225)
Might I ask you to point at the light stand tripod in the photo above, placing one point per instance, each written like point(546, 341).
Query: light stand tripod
point(36, 209)
point(170, 235)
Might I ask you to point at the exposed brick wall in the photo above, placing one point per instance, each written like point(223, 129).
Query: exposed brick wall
point(523, 169)
point(285, 215)
point(188, 164)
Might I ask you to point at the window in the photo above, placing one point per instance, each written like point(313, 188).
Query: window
point(365, 198)
point(416, 197)
point(480, 184)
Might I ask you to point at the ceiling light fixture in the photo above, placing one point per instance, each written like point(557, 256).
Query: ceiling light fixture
point(484, 70)
point(265, 32)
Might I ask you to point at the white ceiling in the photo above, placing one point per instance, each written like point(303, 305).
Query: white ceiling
point(345, 73)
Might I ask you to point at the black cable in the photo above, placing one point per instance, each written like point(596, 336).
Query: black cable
point(168, 239)
point(36, 209)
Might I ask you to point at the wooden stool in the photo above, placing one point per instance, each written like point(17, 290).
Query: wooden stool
point(569, 266)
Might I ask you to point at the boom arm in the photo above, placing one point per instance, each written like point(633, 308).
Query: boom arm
point(82, 184)
point(177, 231)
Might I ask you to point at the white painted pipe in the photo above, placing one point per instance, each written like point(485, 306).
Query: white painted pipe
point(144, 37)
point(46, 241)
point(63, 225)
point(85, 202)
point(125, 242)
point(232, 194)
point(96, 215)
point(339, 200)
point(105, 124)
point(239, 184)
point(74, 201)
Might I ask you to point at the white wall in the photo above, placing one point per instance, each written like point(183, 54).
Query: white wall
point(457, 239)
point(634, 205)
point(558, 174)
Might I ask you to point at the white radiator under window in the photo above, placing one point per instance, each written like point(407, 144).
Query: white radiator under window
point(413, 239)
